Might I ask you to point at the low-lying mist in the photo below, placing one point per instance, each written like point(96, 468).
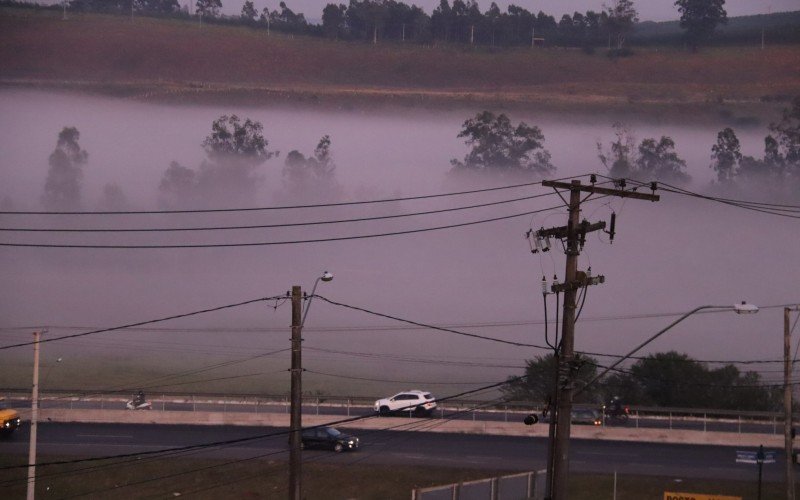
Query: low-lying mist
point(667, 257)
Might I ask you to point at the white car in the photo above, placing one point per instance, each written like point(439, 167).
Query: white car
point(415, 402)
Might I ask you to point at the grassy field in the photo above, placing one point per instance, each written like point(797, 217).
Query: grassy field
point(178, 60)
point(263, 478)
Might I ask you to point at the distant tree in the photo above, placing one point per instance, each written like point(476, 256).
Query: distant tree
point(621, 16)
point(312, 177)
point(700, 19)
point(333, 20)
point(157, 6)
point(499, 147)
point(178, 187)
point(652, 160)
point(208, 8)
point(62, 188)
point(672, 379)
point(113, 199)
point(234, 150)
point(231, 138)
point(619, 158)
point(537, 383)
point(287, 20)
point(726, 155)
point(658, 160)
point(249, 12)
point(784, 146)
point(442, 21)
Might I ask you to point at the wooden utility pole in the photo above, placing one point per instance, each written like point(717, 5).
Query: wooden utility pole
point(34, 419)
point(295, 422)
point(787, 403)
point(575, 235)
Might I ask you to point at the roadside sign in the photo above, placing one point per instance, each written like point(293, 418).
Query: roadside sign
point(751, 457)
point(697, 496)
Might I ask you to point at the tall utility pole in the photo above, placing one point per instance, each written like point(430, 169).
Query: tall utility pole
point(34, 419)
point(295, 422)
point(787, 403)
point(575, 235)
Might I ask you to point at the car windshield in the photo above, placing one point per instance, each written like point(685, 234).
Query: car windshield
point(333, 432)
point(428, 396)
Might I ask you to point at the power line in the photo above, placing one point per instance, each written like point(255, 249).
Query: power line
point(432, 327)
point(268, 226)
point(780, 210)
point(283, 207)
point(141, 323)
point(280, 242)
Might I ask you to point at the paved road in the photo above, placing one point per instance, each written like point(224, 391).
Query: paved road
point(309, 408)
point(394, 447)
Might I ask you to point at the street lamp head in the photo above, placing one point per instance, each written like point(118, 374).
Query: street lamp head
point(326, 276)
point(745, 308)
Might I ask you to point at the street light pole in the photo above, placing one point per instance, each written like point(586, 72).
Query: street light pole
point(295, 422)
point(34, 418)
point(295, 419)
point(787, 403)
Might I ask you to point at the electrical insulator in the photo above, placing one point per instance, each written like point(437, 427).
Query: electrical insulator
point(613, 226)
point(589, 273)
point(544, 286)
point(546, 244)
point(529, 237)
point(593, 178)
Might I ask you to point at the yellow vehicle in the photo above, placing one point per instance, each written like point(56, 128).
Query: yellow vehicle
point(9, 420)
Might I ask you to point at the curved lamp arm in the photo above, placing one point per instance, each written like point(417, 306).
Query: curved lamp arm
point(326, 276)
point(742, 308)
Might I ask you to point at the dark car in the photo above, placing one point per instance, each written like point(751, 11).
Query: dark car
point(328, 438)
point(586, 416)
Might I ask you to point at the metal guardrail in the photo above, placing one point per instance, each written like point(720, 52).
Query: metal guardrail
point(733, 421)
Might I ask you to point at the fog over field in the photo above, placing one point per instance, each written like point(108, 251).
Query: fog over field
point(668, 257)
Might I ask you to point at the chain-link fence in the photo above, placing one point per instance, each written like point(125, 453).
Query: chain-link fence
point(523, 486)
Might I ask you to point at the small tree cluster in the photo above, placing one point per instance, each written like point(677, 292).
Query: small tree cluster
point(667, 379)
point(62, 189)
point(653, 159)
point(313, 177)
point(780, 166)
point(497, 146)
point(233, 149)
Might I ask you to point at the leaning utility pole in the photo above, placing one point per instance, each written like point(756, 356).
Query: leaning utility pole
point(575, 234)
point(787, 403)
point(295, 422)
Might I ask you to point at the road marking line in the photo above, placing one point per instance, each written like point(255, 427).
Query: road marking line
point(103, 436)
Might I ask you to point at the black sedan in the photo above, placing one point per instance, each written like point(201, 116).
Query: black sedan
point(328, 438)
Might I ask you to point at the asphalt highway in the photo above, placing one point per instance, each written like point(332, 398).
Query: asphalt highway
point(395, 447)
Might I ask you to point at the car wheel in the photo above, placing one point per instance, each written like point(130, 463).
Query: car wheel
point(384, 411)
point(338, 447)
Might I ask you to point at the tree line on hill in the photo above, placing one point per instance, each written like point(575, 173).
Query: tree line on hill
point(457, 22)
point(498, 149)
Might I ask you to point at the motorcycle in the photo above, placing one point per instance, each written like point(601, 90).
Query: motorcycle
point(138, 403)
point(615, 412)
